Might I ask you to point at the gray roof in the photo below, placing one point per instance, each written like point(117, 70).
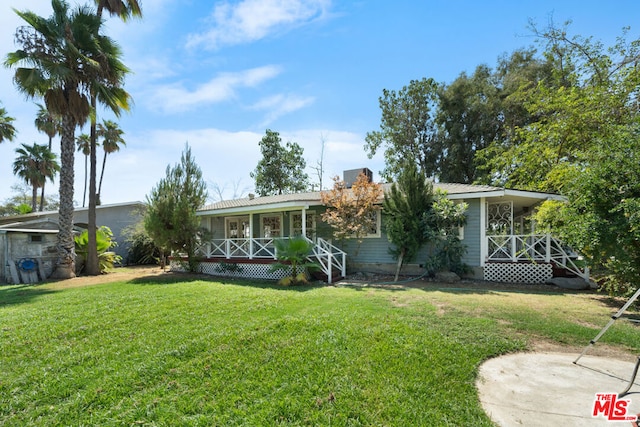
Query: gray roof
point(313, 198)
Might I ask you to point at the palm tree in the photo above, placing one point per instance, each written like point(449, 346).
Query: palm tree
point(84, 146)
point(7, 130)
point(124, 9)
point(50, 125)
point(35, 164)
point(65, 59)
point(112, 137)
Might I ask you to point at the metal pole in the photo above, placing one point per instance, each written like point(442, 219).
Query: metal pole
point(611, 322)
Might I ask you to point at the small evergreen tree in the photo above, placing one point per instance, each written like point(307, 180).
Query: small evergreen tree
point(170, 218)
point(404, 207)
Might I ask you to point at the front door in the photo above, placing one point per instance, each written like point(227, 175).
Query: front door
point(238, 227)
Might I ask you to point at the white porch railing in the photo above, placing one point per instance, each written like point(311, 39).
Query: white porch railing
point(535, 248)
point(239, 248)
point(328, 257)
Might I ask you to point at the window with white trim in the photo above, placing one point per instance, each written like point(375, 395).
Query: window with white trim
point(296, 224)
point(271, 226)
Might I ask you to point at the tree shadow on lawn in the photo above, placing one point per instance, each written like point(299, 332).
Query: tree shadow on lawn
point(21, 294)
point(463, 287)
point(171, 278)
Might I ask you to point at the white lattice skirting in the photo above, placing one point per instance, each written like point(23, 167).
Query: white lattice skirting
point(517, 272)
point(247, 271)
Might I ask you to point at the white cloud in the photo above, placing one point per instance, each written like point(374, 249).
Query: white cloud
point(279, 105)
point(252, 20)
point(175, 97)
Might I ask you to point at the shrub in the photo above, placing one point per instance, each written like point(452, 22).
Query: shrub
point(104, 241)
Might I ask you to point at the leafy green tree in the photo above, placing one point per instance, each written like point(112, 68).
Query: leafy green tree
point(20, 199)
point(281, 169)
point(404, 206)
point(111, 135)
point(407, 129)
point(470, 119)
point(441, 225)
point(602, 216)
point(64, 59)
point(589, 93)
point(35, 164)
point(170, 218)
point(7, 130)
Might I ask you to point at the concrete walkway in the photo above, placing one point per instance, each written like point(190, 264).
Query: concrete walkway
point(547, 389)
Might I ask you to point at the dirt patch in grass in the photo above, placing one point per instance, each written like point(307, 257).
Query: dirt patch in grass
point(600, 350)
point(120, 274)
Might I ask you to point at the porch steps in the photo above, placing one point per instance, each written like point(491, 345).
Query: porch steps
point(322, 276)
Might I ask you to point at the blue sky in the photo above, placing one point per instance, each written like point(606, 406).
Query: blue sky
point(217, 74)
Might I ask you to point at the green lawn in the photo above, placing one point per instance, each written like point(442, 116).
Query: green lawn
point(198, 352)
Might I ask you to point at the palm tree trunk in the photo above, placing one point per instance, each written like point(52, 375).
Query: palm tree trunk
point(92, 266)
point(44, 183)
point(34, 198)
point(84, 192)
point(42, 197)
point(65, 247)
point(104, 162)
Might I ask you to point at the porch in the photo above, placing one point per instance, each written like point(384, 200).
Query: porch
point(513, 250)
point(530, 257)
point(252, 257)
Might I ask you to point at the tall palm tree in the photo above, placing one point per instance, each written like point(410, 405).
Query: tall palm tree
point(111, 140)
point(84, 146)
point(124, 9)
point(49, 124)
point(35, 165)
point(7, 130)
point(65, 59)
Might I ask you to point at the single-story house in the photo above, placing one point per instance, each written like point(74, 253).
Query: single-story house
point(33, 236)
point(500, 238)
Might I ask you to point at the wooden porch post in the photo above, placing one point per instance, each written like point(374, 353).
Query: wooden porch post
point(304, 221)
point(484, 244)
point(250, 235)
point(547, 255)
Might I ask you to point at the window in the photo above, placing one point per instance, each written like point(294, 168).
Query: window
point(270, 226)
point(374, 230)
point(296, 224)
point(36, 238)
point(237, 227)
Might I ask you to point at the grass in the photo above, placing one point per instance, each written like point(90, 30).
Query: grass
point(198, 352)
